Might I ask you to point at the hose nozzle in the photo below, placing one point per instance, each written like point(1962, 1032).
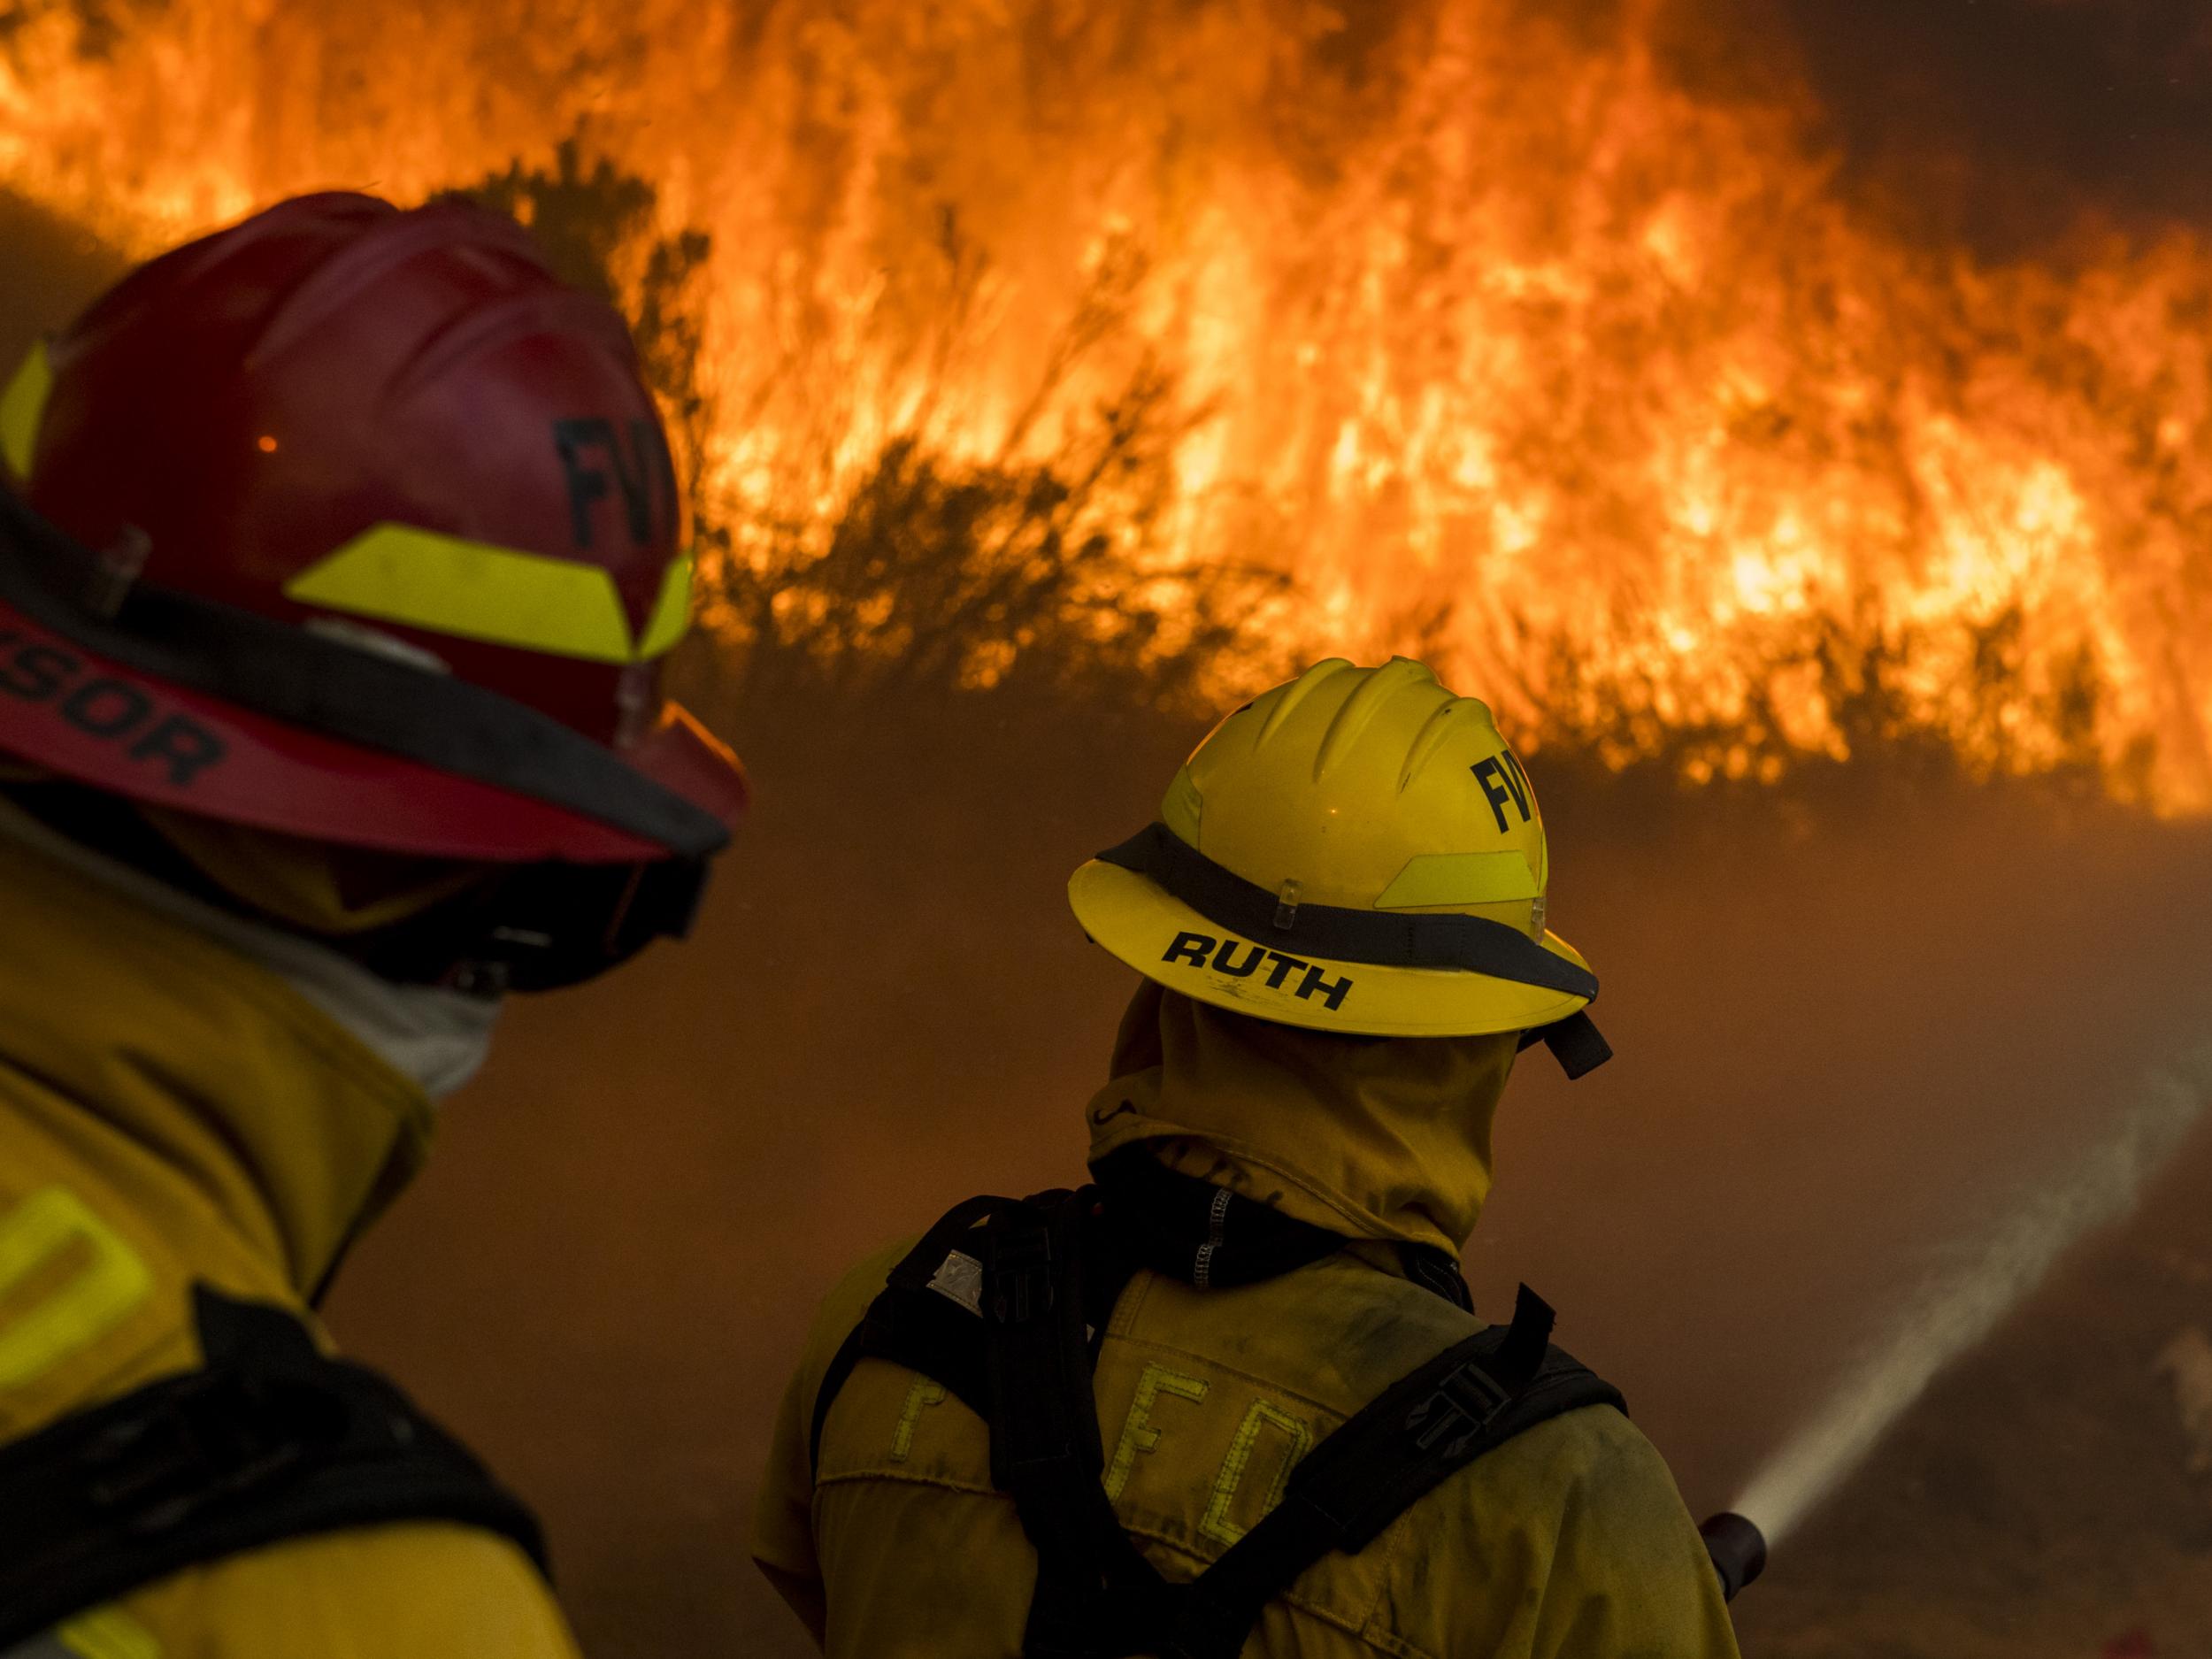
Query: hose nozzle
point(1737, 1547)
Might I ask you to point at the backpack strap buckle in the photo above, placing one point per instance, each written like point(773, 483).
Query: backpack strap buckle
point(267, 1440)
point(1466, 1401)
point(1018, 1270)
point(213, 1436)
point(1044, 1422)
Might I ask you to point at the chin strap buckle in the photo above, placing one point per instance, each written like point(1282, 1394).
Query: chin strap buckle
point(115, 571)
point(1466, 1401)
point(1575, 1043)
point(211, 1438)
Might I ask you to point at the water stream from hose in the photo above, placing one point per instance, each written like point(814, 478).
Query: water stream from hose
point(1970, 1292)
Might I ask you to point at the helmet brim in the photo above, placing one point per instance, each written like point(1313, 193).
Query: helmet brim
point(1139, 922)
point(89, 718)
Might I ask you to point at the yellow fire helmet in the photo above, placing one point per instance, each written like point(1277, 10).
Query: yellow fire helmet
point(1355, 851)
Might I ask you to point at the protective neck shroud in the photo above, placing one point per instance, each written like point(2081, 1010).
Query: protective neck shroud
point(1385, 1140)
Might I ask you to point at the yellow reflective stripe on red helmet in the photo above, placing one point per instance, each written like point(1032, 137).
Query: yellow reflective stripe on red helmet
point(106, 1633)
point(22, 407)
point(474, 590)
point(672, 611)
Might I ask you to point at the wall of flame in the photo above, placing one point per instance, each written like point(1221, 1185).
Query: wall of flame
point(1500, 342)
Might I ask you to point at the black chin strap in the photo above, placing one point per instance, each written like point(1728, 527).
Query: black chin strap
point(522, 927)
point(1576, 1042)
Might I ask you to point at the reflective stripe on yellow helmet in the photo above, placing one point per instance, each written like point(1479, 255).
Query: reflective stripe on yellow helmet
point(1461, 879)
point(22, 406)
point(1357, 850)
point(444, 584)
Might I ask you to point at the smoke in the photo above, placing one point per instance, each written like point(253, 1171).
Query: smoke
point(2006, 125)
point(1965, 1299)
point(1841, 1027)
point(52, 267)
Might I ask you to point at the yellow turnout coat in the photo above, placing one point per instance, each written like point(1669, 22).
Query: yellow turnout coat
point(1570, 1542)
point(172, 1113)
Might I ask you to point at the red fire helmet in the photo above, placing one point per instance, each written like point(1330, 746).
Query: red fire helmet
point(358, 525)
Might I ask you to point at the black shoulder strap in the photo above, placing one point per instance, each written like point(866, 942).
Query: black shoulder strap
point(1176, 1225)
point(1468, 1400)
point(269, 1440)
point(1094, 1593)
point(996, 1303)
point(927, 1318)
point(1001, 1303)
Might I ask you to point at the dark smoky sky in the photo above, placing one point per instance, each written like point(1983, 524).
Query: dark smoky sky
point(2008, 123)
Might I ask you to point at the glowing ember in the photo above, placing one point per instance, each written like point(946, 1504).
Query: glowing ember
point(1498, 341)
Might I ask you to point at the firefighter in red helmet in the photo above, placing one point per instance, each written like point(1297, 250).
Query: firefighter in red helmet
point(338, 558)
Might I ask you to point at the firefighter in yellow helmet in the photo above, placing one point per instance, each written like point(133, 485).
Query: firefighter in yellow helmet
point(1231, 1398)
point(338, 552)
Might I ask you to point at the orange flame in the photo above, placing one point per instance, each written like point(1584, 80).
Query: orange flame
point(1510, 349)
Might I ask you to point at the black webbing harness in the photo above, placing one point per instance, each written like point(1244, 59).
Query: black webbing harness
point(1004, 1304)
point(269, 1440)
